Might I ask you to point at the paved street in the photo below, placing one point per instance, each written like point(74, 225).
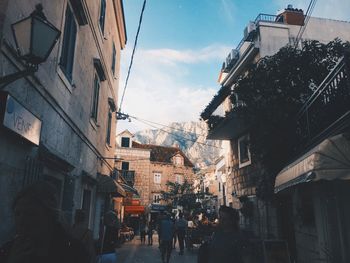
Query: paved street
point(134, 252)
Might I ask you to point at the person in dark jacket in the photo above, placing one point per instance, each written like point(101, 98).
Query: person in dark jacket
point(166, 234)
point(225, 246)
point(40, 235)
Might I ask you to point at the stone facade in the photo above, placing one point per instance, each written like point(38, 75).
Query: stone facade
point(73, 147)
point(140, 159)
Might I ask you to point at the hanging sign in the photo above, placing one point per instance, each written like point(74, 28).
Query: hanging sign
point(18, 119)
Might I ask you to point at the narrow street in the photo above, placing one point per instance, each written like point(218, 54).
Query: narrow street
point(134, 252)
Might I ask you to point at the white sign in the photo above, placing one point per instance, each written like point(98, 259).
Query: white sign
point(21, 121)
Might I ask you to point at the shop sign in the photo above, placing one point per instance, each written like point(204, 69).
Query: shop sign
point(156, 207)
point(18, 119)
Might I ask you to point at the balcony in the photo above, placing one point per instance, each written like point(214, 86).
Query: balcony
point(128, 176)
point(229, 127)
point(327, 111)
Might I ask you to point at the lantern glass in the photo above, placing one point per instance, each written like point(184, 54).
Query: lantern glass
point(44, 37)
point(22, 34)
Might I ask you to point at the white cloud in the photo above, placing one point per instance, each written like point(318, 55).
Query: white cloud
point(333, 9)
point(160, 88)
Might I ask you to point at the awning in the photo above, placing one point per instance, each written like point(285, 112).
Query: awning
point(129, 189)
point(134, 209)
point(107, 184)
point(327, 161)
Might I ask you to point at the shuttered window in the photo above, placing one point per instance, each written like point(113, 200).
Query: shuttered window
point(109, 124)
point(94, 111)
point(102, 15)
point(68, 44)
point(113, 59)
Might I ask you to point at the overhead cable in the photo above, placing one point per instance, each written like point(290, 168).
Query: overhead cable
point(178, 136)
point(132, 55)
point(306, 21)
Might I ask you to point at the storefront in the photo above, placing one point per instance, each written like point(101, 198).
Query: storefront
point(316, 189)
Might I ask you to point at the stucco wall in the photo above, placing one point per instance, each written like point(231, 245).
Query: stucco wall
point(64, 108)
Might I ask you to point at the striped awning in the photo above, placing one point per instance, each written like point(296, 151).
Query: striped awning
point(134, 209)
point(329, 160)
point(107, 184)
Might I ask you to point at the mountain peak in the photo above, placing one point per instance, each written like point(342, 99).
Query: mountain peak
point(190, 138)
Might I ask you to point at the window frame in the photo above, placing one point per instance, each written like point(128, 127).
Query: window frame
point(128, 164)
point(249, 160)
point(68, 46)
point(158, 176)
point(121, 142)
point(114, 58)
point(95, 97)
point(156, 198)
point(177, 176)
point(109, 126)
point(102, 15)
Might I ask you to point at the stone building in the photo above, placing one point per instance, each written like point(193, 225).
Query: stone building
point(68, 104)
point(264, 37)
point(150, 167)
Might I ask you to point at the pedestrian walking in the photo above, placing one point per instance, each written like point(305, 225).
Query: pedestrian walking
point(150, 233)
point(166, 233)
point(181, 227)
point(173, 219)
point(41, 234)
point(143, 230)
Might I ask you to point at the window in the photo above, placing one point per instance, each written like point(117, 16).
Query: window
point(243, 151)
point(86, 204)
point(109, 125)
point(68, 44)
point(125, 166)
point(114, 52)
point(125, 142)
point(95, 98)
point(157, 178)
point(179, 178)
point(156, 198)
point(178, 160)
point(102, 15)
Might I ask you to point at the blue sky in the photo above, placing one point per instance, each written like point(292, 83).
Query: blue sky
point(181, 47)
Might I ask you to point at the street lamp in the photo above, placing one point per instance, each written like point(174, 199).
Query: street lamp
point(35, 38)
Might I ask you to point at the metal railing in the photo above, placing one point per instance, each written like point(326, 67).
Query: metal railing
point(129, 176)
point(328, 104)
point(268, 18)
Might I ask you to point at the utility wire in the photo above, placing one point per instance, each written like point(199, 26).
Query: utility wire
point(173, 128)
point(306, 21)
point(133, 53)
point(178, 136)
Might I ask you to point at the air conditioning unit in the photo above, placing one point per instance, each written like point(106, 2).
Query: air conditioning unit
point(249, 31)
point(231, 59)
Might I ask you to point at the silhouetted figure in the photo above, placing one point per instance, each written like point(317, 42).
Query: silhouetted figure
point(84, 234)
point(181, 227)
point(40, 235)
point(166, 234)
point(143, 228)
point(150, 233)
point(226, 244)
point(111, 231)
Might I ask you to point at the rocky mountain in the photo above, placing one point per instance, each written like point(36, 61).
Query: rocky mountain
point(191, 138)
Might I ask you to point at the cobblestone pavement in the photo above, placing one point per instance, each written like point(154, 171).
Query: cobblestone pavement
point(134, 252)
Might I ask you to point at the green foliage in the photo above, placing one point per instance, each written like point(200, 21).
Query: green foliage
point(273, 91)
point(181, 194)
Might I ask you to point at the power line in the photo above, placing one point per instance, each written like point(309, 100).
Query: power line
point(178, 136)
point(133, 53)
point(173, 128)
point(306, 21)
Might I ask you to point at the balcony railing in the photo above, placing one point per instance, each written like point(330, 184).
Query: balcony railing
point(328, 109)
point(128, 176)
point(268, 18)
